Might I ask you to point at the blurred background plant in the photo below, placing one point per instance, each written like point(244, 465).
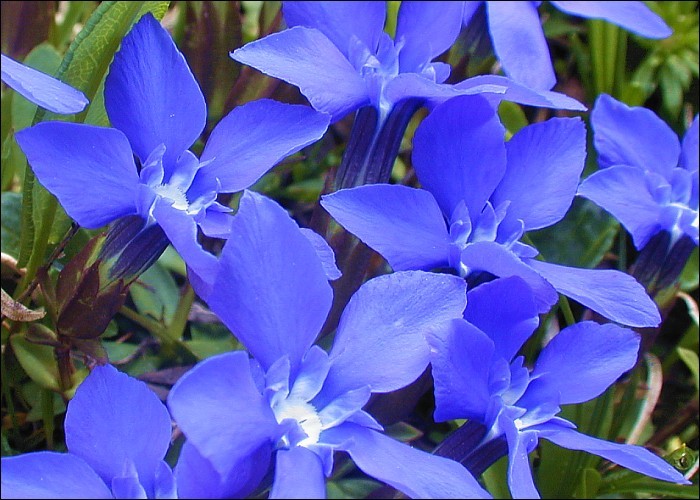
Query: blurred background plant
point(162, 329)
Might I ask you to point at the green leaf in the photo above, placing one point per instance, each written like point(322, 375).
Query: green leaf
point(580, 239)
point(690, 277)
point(589, 484)
point(690, 358)
point(495, 479)
point(652, 488)
point(33, 395)
point(9, 224)
point(401, 431)
point(38, 362)
point(351, 488)
point(155, 293)
point(512, 116)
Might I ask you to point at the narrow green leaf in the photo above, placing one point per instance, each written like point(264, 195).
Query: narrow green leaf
point(38, 361)
point(690, 358)
point(588, 485)
point(9, 224)
point(156, 294)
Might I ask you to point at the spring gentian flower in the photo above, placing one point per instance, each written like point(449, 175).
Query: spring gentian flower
point(479, 377)
point(647, 180)
point(293, 402)
point(117, 434)
point(481, 195)
point(341, 59)
point(42, 89)
point(520, 45)
point(158, 111)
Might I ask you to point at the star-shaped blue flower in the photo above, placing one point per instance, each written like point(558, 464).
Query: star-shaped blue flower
point(117, 434)
point(648, 180)
point(520, 45)
point(292, 402)
point(479, 377)
point(341, 59)
point(157, 111)
point(481, 194)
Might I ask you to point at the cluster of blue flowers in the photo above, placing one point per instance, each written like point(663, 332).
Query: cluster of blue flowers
point(286, 404)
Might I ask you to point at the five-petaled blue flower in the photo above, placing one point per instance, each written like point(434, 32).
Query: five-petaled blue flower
point(520, 45)
point(481, 195)
point(158, 111)
point(117, 434)
point(293, 401)
point(341, 59)
point(478, 377)
point(648, 180)
point(42, 89)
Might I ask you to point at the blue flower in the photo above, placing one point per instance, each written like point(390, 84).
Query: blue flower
point(42, 89)
point(481, 195)
point(117, 434)
point(647, 180)
point(341, 59)
point(478, 377)
point(520, 45)
point(158, 111)
point(293, 402)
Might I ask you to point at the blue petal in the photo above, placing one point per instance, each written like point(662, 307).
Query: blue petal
point(298, 474)
point(181, 230)
point(305, 57)
point(623, 191)
point(614, 294)
point(418, 86)
point(498, 260)
point(324, 252)
point(461, 364)
point(42, 89)
point(380, 341)
point(690, 158)
point(633, 16)
point(254, 137)
point(424, 30)
point(581, 362)
point(340, 21)
point(633, 457)
point(514, 25)
point(505, 310)
point(689, 148)
point(520, 444)
point(89, 169)
point(403, 224)
point(514, 92)
point(151, 94)
point(545, 161)
point(414, 472)
point(271, 289)
point(197, 478)
point(633, 136)
point(459, 153)
point(221, 411)
point(47, 474)
point(115, 419)
point(128, 486)
point(165, 486)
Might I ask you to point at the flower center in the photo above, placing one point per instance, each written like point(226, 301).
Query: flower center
point(174, 194)
point(306, 417)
